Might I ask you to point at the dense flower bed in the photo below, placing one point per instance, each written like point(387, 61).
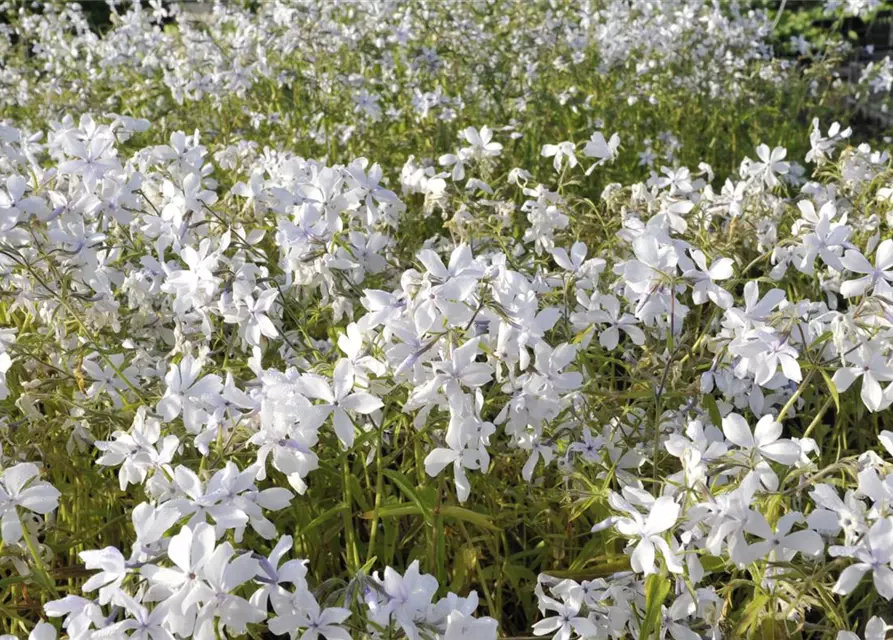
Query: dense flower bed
point(525, 372)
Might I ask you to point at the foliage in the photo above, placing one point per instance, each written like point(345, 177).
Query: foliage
point(447, 319)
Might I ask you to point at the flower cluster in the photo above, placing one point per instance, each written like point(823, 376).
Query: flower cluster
point(253, 389)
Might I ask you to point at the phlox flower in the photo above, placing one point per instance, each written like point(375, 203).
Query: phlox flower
point(303, 612)
point(566, 623)
point(770, 166)
point(763, 444)
point(874, 553)
point(20, 489)
point(481, 141)
point(600, 149)
point(338, 399)
point(876, 629)
point(869, 363)
point(561, 154)
point(780, 544)
point(662, 516)
point(188, 393)
point(878, 277)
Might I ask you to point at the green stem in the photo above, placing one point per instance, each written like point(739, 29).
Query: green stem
point(799, 392)
point(438, 540)
point(818, 417)
point(39, 568)
point(379, 489)
point(350, 534)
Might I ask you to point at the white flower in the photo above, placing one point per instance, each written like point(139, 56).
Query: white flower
point(481, 142)
point(253, 319)
point(610, 315)
point(112, 566)
point(187, 393)
point(867, 362)
point(604, 151)
point(873, 554)
point(771, 165)
point(560, 153)
point(876, 629)
point(338, 399)
point(781, 543)
point(878, 277)
point(705, 279)
point(406, 598)
point(303, 612)
point(461, 626)
point(565, 622)
point(189, 551)
point(765, 443)
point(19, 489)
point(662, 517)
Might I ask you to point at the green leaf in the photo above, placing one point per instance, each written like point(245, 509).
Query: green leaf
point(832, 388)
point(710, 403)
point(394, 511)
point(404, 484)
point(518, 574)
point(578, 338)
point(467, 515)
point(751, 615)
point(588, 553)
point(369, 566)
point(323, 517)
point(357, 493)
point(712, 563)
point(657, 587)
point(463, 564)
point(449, 511)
